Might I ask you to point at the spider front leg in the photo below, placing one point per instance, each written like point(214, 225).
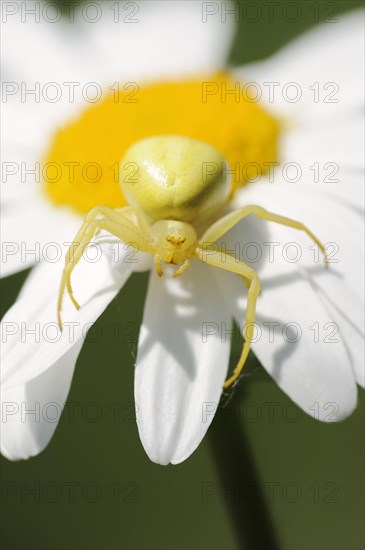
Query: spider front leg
point(184, 266)
point(222, 226)
point(113, 221)
point(229, 263)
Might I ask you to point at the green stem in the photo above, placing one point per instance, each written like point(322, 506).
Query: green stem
point(240, 483)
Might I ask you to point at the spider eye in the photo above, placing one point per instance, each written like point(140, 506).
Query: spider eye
point(172, 239)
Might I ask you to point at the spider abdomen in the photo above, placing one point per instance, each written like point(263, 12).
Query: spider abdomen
point(175, 177)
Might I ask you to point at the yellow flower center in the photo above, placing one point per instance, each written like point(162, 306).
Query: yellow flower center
point(82, 166)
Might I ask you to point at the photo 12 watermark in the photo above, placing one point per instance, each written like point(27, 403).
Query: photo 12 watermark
point(271, 91)
point(289, 492)
point(70, 492)
point(70, 12)
point(271, 12)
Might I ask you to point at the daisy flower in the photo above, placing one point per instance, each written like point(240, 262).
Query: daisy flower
point(309, 324)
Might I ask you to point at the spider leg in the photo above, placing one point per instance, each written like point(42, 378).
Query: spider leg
point(229, 263)
point(222, 226)
point(98, 218)
point(158, 264)
point(182, 268)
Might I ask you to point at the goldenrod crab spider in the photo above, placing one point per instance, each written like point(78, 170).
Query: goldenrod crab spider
point(169, 196)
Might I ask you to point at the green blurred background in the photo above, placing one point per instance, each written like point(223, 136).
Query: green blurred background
point(265, 477)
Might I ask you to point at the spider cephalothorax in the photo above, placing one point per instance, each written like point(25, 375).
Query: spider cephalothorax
point(173, 185)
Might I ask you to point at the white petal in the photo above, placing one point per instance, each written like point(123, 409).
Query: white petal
point(332, 221)
point(178, 39)
point(175, 35)
point(330, 53)
point(25, 355)
point(180, 367)
point(30, 412)
point(353, 336)
point(343, 185)
point(292, 292)
point(315, 375)
point(325, 151)
point(17, 149)
point(64, 60)
point(34, 230)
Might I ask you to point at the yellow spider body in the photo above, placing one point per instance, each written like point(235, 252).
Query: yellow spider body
point(172, 185)
point(174, 178)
